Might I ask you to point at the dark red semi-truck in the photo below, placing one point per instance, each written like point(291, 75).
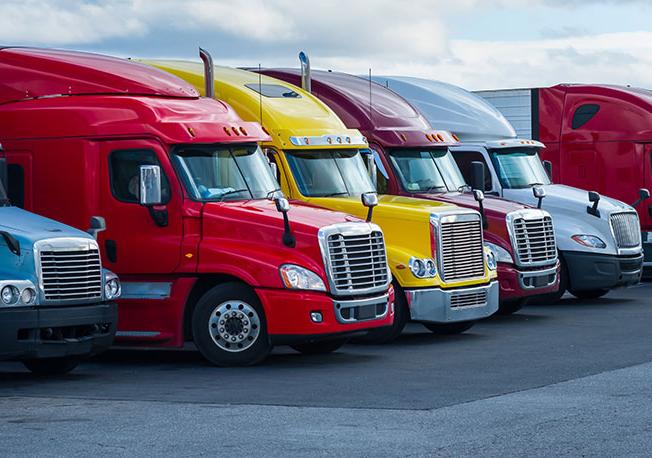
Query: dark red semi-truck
point(597, 137)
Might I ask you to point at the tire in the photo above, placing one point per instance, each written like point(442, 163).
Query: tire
point(229, 326)
point(51, 366)
point(590, 294)
point(320, 348)
point(512, 306)
point(449, 328)
point(389, 333)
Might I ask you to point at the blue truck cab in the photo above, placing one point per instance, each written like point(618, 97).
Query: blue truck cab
point(56, 301)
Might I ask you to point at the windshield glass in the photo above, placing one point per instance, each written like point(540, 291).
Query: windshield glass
point(327, 173)
point(217, 173)
point(519, 168)
point(427, 171)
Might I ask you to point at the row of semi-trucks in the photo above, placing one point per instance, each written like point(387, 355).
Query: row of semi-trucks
point(246, 208)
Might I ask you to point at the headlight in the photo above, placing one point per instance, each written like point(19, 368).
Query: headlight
point(423, 268)
point(491, 260)
point(296, 277)
point(590, 241)
point(9, 295)
point(28, 296)
point(112, 288)
point(501, 254)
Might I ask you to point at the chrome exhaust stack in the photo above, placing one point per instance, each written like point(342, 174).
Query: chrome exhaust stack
point(209, 80)
point(305, 71)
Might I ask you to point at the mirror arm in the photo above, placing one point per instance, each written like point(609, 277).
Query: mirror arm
point(288, 238)
point(159, 215)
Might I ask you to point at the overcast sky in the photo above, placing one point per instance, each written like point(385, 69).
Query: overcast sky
point(478, 44)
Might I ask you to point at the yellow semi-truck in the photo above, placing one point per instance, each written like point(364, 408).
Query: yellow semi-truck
point(444, 276)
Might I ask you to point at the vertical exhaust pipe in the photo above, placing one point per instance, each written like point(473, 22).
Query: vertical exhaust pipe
point(305, 71)
point(209, 80)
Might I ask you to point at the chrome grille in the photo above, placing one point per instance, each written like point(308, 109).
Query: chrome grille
point(626, 228)
point(469, 299)
point(357, 262)
point(534, 241)
point(71, 274)
point(461, 249)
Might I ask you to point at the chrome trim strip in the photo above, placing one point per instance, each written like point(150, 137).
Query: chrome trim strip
point(146, 290)
point(537, 273)
point(137, 334)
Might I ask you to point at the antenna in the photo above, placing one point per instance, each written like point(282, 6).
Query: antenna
point(371, 115)
point(260, 94)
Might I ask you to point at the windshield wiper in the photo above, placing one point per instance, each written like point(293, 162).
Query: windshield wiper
point(232, 191)
point(432, 188)
point(334, 194)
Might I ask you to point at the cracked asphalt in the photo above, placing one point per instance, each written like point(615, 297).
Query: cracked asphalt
point(568, 379)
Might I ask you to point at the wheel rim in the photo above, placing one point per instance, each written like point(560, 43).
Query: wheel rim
point(234, 326)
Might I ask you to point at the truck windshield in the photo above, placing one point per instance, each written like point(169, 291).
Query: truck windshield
point(219, 173)
point(328, 173)
point(519, 168)
point(427, 171)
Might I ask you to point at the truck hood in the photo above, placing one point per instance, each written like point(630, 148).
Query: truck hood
point(29, 228)
point(568, 206)
point(495, 205)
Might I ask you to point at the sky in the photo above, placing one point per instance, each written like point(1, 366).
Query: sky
point(477, 44)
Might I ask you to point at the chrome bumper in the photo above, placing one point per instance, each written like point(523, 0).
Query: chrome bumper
point(537, 278)
point(435, 305)
point(358, 310)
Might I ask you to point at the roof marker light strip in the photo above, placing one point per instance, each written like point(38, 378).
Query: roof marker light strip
point(329, 140)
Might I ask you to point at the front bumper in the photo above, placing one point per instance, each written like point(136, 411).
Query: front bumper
point(288, 314)
point(75, 331)
point(515, 283)
point(589, 271)
point(438, 305)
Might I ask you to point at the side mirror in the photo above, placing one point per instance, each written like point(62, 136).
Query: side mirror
point(98, 224)
point(539, 193)
point(547, 165)
point(282, 204)
point(4, 181)
point(478, 195)
point(477, 175)
point(643, 194)
point(594, 197)
point(369, 200)
point(151, 192)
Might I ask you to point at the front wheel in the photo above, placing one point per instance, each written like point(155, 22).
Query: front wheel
point(511, 306)
point(51, 366)
point(319, 348)
point(229, 326)
point(449, 328)
point(590, 294)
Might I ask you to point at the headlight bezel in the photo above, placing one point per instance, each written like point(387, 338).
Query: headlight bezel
point(300, 278)
point(422, 268)
point(589, 241)
point(112, 289)
point(490, 259)
point(500, 253)
point(18, 289)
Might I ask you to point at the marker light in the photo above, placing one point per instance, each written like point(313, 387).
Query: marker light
point(227, 131)
point(243, 131)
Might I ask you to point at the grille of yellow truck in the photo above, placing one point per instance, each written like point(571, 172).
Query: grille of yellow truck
point(462, 252)
point(71, 275)
point(626, 229)
point(534, 241)
point(469, 299)
point(358, 262)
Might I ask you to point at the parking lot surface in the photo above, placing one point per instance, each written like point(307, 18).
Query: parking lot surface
point(565, 379)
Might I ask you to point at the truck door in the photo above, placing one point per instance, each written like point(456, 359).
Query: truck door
point(135, 240)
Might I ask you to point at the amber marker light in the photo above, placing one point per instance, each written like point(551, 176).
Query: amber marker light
point(227, 131)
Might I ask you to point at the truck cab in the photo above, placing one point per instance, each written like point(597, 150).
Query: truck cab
point(443, 276)
point(208, 249)
point(597, 236)
point(56, 301)
point(410, 158)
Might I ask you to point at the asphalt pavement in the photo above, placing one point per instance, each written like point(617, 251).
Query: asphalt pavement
point(568, 379)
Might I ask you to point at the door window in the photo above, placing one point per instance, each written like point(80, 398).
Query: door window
point(584, 114)
point(464, 160)
point(124, 168)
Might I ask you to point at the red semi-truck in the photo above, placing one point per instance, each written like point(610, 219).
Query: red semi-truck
point(597, 137)
point(407, 158)
point(206, 247)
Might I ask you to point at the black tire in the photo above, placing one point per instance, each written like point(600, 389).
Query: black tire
point(590, 294)
point(51, 366)
point(449, 328)
point(389, 333)
point(217, 303)
point(511, 306)
point(319, 348)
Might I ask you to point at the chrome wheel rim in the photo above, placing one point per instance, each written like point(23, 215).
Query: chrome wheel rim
point(234, 326)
